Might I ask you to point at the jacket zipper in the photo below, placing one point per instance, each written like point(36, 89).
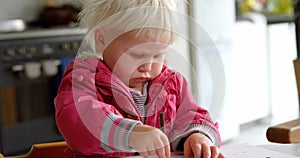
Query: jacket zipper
point(162, 114)
point(129, 99)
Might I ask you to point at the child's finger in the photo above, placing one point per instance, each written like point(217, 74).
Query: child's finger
point(152, 152)
point(167, 147)
point(168, 150)
point(187, 152)
point(144, 154)
point(196, 150)
point(160, 148)
point(161, 153)
point(214, 152)
point(206, 150)
point(221, 155)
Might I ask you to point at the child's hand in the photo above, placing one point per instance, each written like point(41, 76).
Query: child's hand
point(148, 140)
point(198, 145)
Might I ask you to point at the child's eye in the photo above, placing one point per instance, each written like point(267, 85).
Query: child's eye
point(137, 56)
point(159, 56)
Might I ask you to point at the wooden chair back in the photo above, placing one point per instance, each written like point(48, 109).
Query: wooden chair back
point(286, 133)
point(44, 150)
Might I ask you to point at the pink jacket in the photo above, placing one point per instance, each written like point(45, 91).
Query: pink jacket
point(95, 111)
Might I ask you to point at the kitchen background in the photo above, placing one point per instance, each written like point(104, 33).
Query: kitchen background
point(254, 38)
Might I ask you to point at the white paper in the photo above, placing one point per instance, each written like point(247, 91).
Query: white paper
point(154, 156)
point(250, 151)
point(242, 151)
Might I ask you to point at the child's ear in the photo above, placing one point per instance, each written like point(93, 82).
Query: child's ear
point(99, 40)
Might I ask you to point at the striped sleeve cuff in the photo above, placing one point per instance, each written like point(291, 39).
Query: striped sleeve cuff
point(204, 129)
point(115, 133)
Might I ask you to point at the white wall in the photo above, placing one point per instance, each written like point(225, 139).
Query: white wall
point(251, 67)
point(284, 96)
point(258, 62)
point(179, 57)
point(216, 19)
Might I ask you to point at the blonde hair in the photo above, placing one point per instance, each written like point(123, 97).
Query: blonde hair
point(155, 18)
point(128, 14)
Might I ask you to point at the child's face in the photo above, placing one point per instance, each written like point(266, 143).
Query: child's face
point(136, 60)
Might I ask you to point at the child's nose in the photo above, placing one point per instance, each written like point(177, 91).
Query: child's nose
point(145, 67)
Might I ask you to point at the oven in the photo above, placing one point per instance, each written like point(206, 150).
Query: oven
point(31, 66)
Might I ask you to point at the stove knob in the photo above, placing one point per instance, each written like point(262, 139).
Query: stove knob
point(22, 50)
point(66, 46)
point(47, 49)
point(32, 50)
point(10, 52)
point(75, 45)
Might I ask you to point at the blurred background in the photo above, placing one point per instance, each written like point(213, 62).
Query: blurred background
point(255, 39)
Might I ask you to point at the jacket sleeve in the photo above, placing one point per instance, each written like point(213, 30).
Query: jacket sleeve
point(191, 117)
point(89, 125)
